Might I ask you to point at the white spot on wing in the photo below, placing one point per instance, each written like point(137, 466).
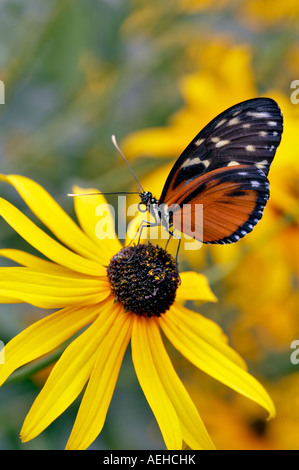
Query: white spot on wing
point(215, 139)
point(255, 184)
point(250, 148)
point(272, 123)
point(221, 143)
point(191, 161)
point(258, 114)
point(262, 133)
point(246, 125)
point(220, 123)
point(206, 163)
point(233, 121)
point(195, 161)
point(261, 165)
point(199, 142)
point(233, 163)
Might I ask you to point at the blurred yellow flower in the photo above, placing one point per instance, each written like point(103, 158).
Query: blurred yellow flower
point(269, 12)
point(206, 94)
point(246, 428)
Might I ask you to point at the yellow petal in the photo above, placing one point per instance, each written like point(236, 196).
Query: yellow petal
point(69, 374)
point(44, 336)
point(34, 262)
point(89, 209)
point(51, 291)
point(213, 357)
point(204, 327)
point(9, 300)
point(194, 432)
point(47, 245)
point(152, 385)
point(96, 400)
point(54, 217)
point(195, 286)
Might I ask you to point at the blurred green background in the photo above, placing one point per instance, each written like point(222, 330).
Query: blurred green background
point(77, 72)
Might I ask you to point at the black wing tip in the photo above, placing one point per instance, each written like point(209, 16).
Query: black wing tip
point(259, 100)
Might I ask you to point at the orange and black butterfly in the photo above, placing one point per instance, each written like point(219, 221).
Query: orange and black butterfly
point(224, 169)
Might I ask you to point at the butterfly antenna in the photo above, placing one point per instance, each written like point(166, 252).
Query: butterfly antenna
point(119, 192)
point(120, 152)
point(100, 193)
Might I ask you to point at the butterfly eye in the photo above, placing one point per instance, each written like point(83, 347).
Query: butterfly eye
point(142, 207)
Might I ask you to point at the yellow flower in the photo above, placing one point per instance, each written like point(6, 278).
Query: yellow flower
point(246, 428)
point(206, 93)
point(75, 279)
point(193, 6)
point(270, 12)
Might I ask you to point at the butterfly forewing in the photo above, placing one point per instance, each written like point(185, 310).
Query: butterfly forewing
point(245, 134)
point(225, 170)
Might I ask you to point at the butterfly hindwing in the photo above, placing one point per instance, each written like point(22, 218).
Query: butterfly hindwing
point(232, 198)
point(245, 134)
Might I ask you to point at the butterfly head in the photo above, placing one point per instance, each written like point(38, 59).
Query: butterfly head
point(152, 206)
point(147, 199)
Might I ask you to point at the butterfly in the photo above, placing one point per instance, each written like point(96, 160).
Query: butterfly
point(224, 171)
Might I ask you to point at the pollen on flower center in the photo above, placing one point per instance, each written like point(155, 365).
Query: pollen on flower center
point(144, 279)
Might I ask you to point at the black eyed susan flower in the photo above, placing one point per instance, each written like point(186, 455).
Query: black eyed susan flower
point(115, 295)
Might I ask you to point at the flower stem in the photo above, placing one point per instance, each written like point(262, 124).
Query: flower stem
point(27, 371)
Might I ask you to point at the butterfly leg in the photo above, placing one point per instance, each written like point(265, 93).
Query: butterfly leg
point(140, 228)
point(177, 253)
point(177, 256)
point(172, 234)
point(144, 224)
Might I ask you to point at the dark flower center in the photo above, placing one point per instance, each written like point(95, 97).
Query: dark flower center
point(144, 279)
